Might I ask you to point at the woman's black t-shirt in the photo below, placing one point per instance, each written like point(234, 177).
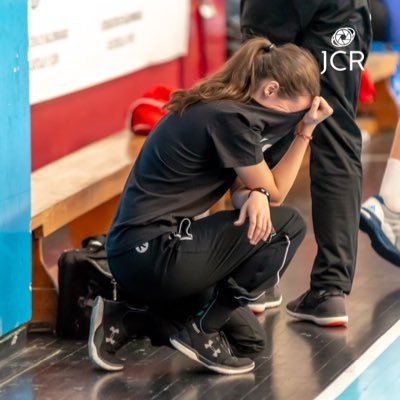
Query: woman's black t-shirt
point(187, 164)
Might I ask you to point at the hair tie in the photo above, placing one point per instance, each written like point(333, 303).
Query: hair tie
point(267, 49)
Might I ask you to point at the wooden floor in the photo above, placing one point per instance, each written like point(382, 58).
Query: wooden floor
point(300, 359)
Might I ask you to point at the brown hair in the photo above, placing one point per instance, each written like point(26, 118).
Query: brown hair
point(294, 68)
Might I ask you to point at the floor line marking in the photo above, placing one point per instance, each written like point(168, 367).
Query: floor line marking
point(350, 374)
point(3, 383)
point(374, 158)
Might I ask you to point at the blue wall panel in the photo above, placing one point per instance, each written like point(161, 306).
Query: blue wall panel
point(15, 242)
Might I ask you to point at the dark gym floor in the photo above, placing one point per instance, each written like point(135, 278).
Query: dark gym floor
point(300, 359)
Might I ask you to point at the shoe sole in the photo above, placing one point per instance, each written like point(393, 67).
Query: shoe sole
point(260, 308)
point(193, 355)
point(95, 321)
point(371, 226)
point(323, 321)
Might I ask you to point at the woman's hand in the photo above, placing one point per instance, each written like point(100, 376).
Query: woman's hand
point(319, 111)
point(256, 207)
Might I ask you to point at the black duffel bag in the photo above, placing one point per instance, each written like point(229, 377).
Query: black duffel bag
point(83, 274)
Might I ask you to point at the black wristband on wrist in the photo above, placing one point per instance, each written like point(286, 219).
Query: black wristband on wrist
point(261, 190)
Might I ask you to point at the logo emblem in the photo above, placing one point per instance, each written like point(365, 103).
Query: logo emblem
point(142, 248)
point(343, 37)
point(265, 146)
point(214, 350)
point(114, 333)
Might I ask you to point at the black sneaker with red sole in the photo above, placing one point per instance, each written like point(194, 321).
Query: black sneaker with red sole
point(322, 307)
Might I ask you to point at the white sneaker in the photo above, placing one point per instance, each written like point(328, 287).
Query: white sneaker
point(383, 228)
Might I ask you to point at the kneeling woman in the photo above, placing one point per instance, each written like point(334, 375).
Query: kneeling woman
point(211, 141)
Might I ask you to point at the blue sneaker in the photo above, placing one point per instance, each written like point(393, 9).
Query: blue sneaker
point(383, 228)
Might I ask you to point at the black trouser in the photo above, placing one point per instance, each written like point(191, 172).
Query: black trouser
point(335, 165)
point(176, 274)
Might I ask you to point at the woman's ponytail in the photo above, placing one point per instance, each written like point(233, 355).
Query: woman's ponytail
point(254, 61)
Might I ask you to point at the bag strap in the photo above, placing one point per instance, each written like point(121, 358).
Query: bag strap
point(96, 242)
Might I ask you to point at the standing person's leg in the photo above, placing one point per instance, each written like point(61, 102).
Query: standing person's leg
point(338, 34)
point(336, 163)
point(380, 214)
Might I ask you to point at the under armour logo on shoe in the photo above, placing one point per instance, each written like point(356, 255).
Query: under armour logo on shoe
point(215, 351)
point(142, 248)
point(114, 332)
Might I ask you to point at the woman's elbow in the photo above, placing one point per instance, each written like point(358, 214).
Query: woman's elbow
point(277, 200)
point(275, 203)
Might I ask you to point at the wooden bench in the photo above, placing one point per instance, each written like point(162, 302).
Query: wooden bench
point(383, 113)
point(81, 191)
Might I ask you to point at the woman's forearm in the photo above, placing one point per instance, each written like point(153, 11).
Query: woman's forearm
point(280, 179)
point(286, 170)
point(277, 181)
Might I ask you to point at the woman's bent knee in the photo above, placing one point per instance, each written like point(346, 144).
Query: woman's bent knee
point(295, 225)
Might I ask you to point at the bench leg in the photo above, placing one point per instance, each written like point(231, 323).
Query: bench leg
point(44, 292)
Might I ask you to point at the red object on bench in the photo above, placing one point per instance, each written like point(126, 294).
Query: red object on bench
point(145, 112)
point(367, 88)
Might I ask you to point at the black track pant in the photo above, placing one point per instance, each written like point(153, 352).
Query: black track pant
point(218, 253)
point(336, 149)
point(243, 330)
point(175, 274)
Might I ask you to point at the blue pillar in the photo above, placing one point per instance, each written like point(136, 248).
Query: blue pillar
point(15, 240)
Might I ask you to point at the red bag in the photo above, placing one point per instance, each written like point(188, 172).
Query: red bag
point(367, 88)
point(144, 113)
